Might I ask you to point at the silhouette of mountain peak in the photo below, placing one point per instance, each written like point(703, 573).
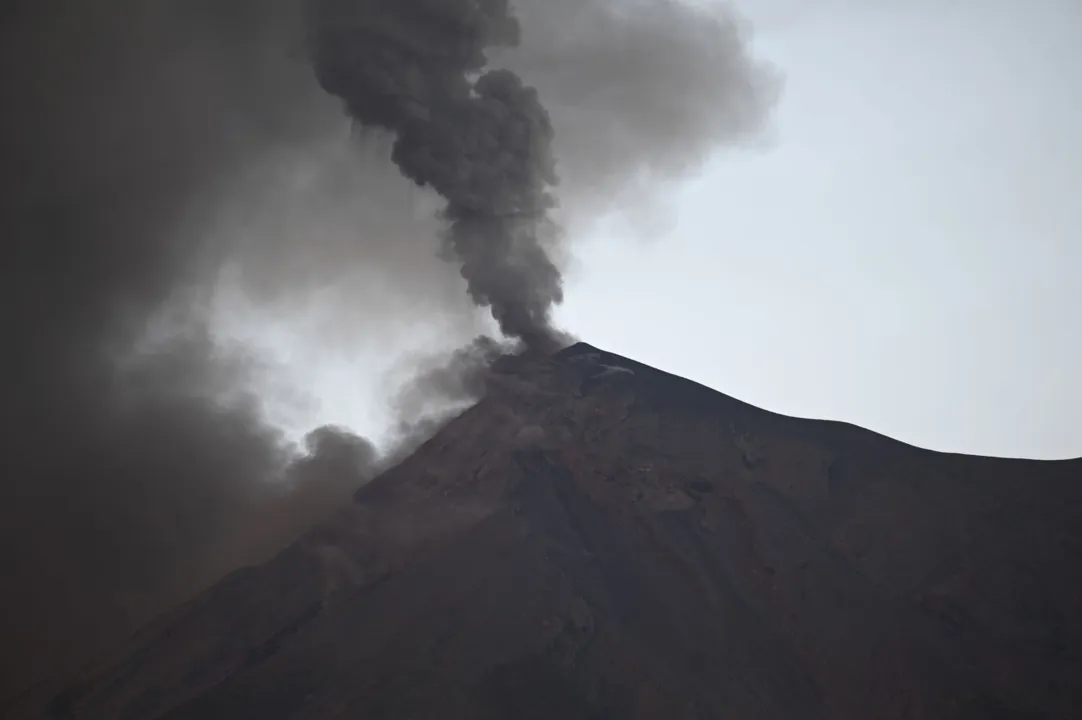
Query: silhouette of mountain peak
point(596, 538)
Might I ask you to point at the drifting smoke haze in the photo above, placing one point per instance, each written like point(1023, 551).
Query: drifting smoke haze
point(138, 465)
point(130, 478)
point(640, 93)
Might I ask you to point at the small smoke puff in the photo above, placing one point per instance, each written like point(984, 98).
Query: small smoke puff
point(334, 464)
point(336, 452)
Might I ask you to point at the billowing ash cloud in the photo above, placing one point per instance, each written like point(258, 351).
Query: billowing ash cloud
point(644, 89)
point(133, 472)
point(640, 92)
point(136, 462)
point(478, 137)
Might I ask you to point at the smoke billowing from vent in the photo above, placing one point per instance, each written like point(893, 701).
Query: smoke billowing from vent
point(646, 82)
point(478, 137)
point(135, 461)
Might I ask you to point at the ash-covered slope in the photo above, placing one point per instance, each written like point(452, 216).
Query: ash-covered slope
point(598, 539)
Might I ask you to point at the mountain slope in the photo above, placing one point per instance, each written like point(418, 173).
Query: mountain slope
point(598, 539)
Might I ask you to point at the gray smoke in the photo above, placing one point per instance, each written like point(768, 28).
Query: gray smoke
point(133, 468)
point(137, 464)
point(478, 137)
point(439, 386)
point(641, 92)
point(643, 88)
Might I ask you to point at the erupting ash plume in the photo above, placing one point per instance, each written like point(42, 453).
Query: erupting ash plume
point(136, 464)
point(643, 89)
point(480, 138)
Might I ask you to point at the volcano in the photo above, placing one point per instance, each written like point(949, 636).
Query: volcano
point(598, 539)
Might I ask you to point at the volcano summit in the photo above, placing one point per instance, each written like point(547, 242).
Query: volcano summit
point(599, 539)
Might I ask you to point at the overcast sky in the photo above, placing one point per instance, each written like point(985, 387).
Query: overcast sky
point(904, 254)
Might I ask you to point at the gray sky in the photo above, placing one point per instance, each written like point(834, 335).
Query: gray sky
point(903, 255)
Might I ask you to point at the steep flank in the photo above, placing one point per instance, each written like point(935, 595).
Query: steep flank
point(599, 539)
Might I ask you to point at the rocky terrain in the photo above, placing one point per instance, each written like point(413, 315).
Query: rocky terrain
point(599, 539)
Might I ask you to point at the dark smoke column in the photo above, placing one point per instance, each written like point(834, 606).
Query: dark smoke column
point(482, 140)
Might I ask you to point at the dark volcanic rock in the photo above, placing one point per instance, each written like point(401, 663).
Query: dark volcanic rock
point(598, 539)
